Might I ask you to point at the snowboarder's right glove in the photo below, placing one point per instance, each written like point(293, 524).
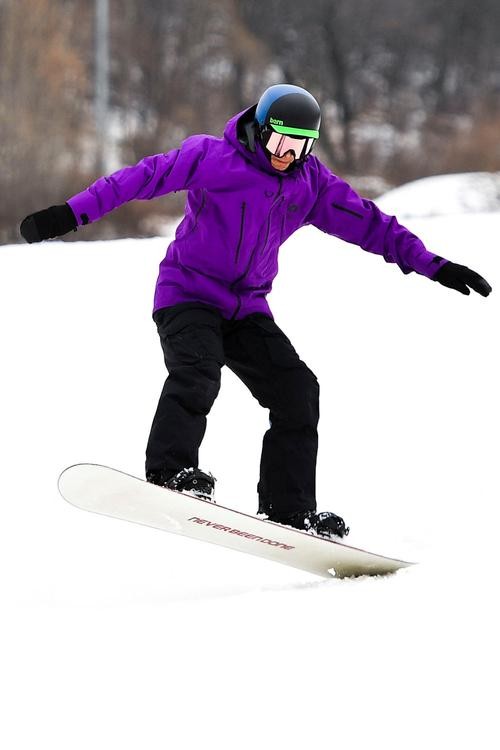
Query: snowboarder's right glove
point(461, 278)
point(51, 222)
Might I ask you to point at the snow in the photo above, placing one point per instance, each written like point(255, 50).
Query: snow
point(443, 195)
point(120, 636)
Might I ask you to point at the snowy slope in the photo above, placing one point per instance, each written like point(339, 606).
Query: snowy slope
point(119, 636)
point(447, 194)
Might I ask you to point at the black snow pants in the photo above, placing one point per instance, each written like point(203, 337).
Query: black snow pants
point(197, 342)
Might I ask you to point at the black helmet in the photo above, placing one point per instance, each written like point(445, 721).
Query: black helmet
point(289, 111)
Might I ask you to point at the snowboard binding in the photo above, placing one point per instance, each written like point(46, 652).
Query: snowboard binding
point(192, 481)
point(325, 524)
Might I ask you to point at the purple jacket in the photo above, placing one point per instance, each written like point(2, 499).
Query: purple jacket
point(239, 210)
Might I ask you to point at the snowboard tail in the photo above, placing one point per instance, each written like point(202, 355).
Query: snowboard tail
point(110, 492)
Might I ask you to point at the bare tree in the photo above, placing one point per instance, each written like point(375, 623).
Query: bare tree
point(43, 84)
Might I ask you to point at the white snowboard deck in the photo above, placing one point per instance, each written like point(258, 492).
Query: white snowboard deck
point(104, 490)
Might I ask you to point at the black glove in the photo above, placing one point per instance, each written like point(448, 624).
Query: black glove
point(51, 222)
point(460, 278)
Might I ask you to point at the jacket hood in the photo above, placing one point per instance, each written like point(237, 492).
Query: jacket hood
point(240, 133)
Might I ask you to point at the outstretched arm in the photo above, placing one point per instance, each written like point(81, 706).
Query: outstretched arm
point(341, 212)
point(153, 176)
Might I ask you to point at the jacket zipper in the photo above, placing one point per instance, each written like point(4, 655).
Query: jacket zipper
point(276, 203)
point(279, 199)
point(200, 209)
point(282, 230)
point(242, 224)
point(347, 210)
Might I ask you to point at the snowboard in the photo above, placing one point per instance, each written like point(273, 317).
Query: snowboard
point(104, 490)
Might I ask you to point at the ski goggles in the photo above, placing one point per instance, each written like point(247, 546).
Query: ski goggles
point(279, 144)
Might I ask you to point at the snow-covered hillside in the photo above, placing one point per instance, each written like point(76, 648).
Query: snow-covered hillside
point(120, 636)
point(443, 195)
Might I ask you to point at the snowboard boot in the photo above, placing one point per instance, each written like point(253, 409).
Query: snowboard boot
point(193, 481)
point(324, 524)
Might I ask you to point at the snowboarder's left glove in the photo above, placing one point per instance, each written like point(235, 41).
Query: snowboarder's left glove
point(51, 222)
point(461, 278)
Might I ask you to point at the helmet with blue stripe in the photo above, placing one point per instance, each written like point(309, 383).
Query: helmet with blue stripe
point(292, 112)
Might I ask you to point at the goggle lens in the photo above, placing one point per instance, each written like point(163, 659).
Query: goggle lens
point(279, 144)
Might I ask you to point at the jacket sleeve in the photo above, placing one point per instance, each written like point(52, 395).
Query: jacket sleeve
point(179, 169)
point(341, 212)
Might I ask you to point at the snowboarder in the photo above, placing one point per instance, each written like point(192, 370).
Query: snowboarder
point(246, 194)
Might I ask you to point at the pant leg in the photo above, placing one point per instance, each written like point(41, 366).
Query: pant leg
point(260, 354)
point(191, 340)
